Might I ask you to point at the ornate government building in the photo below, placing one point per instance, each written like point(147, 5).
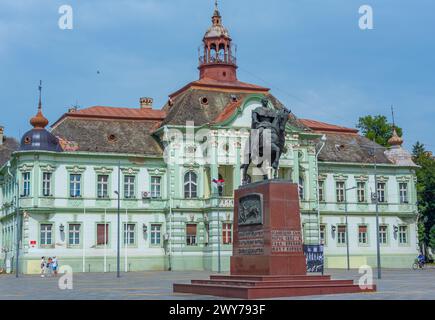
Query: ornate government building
point(161, 163)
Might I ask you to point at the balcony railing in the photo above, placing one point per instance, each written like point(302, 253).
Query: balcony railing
point(221, 59)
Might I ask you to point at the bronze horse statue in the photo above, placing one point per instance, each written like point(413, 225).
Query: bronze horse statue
point(270, 130)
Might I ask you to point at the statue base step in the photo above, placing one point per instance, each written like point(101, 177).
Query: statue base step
point(262, 287)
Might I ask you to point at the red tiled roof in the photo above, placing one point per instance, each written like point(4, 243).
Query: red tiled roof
point(228, 111)
point(100, 112)
point(230, 85)
point(326, 127)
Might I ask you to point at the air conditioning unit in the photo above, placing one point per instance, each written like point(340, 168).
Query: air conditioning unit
point(146, 195)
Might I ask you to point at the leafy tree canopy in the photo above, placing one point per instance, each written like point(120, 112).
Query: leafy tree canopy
point(377, 128)
point(425, 192)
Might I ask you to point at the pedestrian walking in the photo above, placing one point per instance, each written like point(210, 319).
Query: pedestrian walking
point(55, 266)
point(43, 267)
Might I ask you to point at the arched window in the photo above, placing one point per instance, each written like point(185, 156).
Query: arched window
point(221, 54)
point(301, 188)
point(190, 185)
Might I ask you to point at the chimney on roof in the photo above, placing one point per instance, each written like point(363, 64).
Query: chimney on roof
point(2, 129)
point(146, 103)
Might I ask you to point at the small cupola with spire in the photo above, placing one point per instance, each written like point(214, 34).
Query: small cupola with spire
point(39, 138)
point(217, 60)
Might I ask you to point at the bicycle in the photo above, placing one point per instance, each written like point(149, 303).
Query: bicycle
point(418, 264)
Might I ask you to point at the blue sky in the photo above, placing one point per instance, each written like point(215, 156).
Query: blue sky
point(311, 53)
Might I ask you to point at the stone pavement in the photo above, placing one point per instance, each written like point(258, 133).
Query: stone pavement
point(395, 284)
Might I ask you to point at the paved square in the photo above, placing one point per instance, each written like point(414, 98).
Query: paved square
point(395, 284)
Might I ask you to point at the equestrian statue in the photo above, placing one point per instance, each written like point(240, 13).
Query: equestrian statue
point(267, 129)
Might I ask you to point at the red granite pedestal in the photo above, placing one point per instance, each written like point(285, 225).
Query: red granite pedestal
point(268, 259)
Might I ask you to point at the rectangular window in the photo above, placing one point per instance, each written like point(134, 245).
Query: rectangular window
point(381, 192)
point(156, 234)
point(321, 191)
point(46, 234)
point(129, 184)
point(74, 234)
point(46, 184)
point(383, 234)
point(191, 234)
point(75, 185)
point(26, 184)
point(361, 191)
point(103, 186)
point(403, 234)
point(129, 234)
point(403, 190)
point(340, 191)
point(322, 234)
point(155, 187)
point(227, 236)
point(102, 234)
point(341, 234)
point(362, 235)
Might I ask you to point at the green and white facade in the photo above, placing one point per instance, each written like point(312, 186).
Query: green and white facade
point(172, 216)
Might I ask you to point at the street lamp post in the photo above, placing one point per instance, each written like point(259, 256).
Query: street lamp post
point(372, 152)
point(118, 255)
point(378, 246)
point(347, 226)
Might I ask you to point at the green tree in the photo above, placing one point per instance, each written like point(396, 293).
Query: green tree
point(425, 192)
point(432, 238)
point(377, 128)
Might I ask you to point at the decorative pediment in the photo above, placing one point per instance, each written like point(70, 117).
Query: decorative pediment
point(322, 177)
point(383, 179)
point(340, 177)
point(130, 171)
point(76, 169)
point(103, 170)
point(362, 178)
point(48, 168)
point(25, 167)
point(403, 179)
point(156, 171)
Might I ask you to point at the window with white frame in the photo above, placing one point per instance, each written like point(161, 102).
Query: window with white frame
point(74, 234)
point(156, 234)
point(102, 234)
point(341, 234)
point(156, 186)
point(46, 184)
point(191, 235)
point(340, 191)
point(102, 186)
point(403, 192)
point(75, 185)
point(190, 185)
point(403, 234)
point(361, 191)
point(321, 190)
point(381, 192)
point(129, 187)
point(227, 235)
point(26, 184)
point(362, 234)
point(129, 234)
point(46, 233)
point(301, 188)
point(383, 234)
point(323, 234)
